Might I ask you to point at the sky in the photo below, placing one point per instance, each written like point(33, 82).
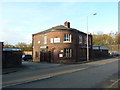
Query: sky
point(19, 20)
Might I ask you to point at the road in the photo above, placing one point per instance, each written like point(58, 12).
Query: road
point(97, 74)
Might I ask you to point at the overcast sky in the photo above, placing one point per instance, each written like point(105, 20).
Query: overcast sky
point(19, 20)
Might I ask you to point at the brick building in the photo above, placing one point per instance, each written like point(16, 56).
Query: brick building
point(60, 43)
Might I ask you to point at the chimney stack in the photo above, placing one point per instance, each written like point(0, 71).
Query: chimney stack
point(67, 24)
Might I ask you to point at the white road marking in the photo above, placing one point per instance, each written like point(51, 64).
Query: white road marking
point(114, 83)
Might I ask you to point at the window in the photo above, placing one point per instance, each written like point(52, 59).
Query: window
point(45, 39)
point(36, 54)
point(67, 52)
point(90, 41)
point(51, 40)
point(67, 37)
point(85, 39)
point(80, 38)
point(38, 42)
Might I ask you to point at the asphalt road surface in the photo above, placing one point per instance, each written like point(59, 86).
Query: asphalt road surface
point(98, 74)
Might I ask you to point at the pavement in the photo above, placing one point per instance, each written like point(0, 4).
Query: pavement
point(27, 65)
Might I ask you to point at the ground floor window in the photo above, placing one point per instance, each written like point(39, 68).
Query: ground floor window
point(67, 52)
point(82, 52)
point(36, 54)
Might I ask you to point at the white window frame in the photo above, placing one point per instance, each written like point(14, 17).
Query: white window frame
point(90, 40)
point(45, 39)
point(67, 52)
point(67, 37)
point(51, 40)
point(80, 39)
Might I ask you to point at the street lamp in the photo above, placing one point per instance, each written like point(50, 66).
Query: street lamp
point(88, 40)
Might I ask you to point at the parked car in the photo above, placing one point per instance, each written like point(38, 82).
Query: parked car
point(114, 54)
point(27, 57)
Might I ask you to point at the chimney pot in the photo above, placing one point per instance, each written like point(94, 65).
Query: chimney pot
point(67, 24)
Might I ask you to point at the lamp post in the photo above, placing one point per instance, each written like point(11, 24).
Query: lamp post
point(88, 39)
point(87, 42)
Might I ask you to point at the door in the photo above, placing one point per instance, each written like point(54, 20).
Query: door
point(54, 55)
point(45, 56)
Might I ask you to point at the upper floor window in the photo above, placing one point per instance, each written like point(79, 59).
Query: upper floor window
point(80, 39)
point(45, 39)
point(67, 37)
point(90, 41)
point(85, 39)
point(51, 40)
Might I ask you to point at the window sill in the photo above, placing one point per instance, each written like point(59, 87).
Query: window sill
point(67, 42)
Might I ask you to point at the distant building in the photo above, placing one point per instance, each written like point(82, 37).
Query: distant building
point(60, 43)
point(100, 51)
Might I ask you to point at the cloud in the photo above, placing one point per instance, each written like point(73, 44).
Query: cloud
point(5, 21)
point(14, 36)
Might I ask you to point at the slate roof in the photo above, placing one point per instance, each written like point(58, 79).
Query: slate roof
point(59, 27)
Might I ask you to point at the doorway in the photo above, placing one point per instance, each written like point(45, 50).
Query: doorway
point(45, 55)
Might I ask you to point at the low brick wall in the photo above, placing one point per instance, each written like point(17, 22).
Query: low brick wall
point(11, 59)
